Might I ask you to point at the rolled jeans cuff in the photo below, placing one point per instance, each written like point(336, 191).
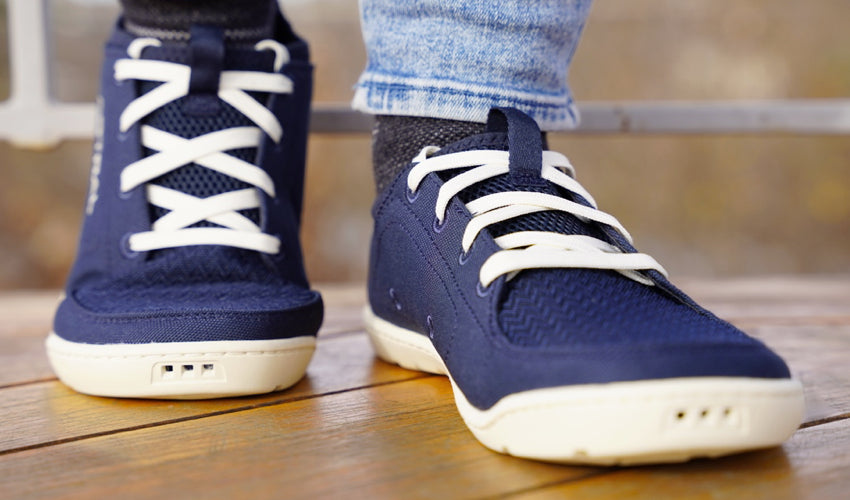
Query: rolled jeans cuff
point(439, 98)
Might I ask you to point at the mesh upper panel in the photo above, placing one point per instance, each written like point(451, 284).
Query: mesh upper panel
point(591, 307)
point(194, 179)
point(196, 277)
point(555, 307)
point(152, 295)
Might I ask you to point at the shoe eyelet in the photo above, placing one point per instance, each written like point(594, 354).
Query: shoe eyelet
point(481, 290)
point(465, 255)
point(123, 136)
point(429, 323)
point(411, 195)
point(439, 226)
point(280, 255)
point(125, 195)
point(396, 302)
point(126, 251)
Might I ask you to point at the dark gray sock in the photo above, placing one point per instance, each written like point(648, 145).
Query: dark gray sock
point(396, 140)
point(242, 20)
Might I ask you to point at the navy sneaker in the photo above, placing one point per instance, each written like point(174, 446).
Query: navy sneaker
point(492, 265)
point(189, 280)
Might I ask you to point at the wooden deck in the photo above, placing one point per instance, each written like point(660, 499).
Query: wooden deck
point(358, 428)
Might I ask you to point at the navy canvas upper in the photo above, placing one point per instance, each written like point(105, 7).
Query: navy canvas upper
point(544, 327)
point(202, 292)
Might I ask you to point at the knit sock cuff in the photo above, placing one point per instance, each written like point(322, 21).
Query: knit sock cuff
point(396, 140)
point(242, 20)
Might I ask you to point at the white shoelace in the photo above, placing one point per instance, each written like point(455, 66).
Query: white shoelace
point(208, 150)
point(527, 249)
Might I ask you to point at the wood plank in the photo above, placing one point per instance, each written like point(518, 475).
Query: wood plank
point(343, 307)
point(391, 442)
point(25, 319)
point(813, 464)
point(402, 440)
point(788, 300)
point(27, 310)
point(43, 413)
point(819, 357)
point(807, 288)
point(22, 358)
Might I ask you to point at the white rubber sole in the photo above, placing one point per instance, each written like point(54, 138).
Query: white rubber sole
point(181, 370)
point(651, 421)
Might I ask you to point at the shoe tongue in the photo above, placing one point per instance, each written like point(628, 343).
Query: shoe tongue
point(512, 131)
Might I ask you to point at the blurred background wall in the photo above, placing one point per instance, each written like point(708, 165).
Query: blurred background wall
point(702, 205)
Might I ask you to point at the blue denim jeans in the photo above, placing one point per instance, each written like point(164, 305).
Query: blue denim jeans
point(457, 58)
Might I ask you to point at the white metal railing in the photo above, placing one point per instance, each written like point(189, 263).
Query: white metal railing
point(32, 118)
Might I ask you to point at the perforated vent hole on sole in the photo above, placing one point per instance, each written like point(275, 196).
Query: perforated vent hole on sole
point(705, 416)
point(167, 372)
point(187, 372)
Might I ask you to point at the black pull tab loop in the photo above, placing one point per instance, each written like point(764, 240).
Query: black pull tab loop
point(525, 145)
point(206, 49)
